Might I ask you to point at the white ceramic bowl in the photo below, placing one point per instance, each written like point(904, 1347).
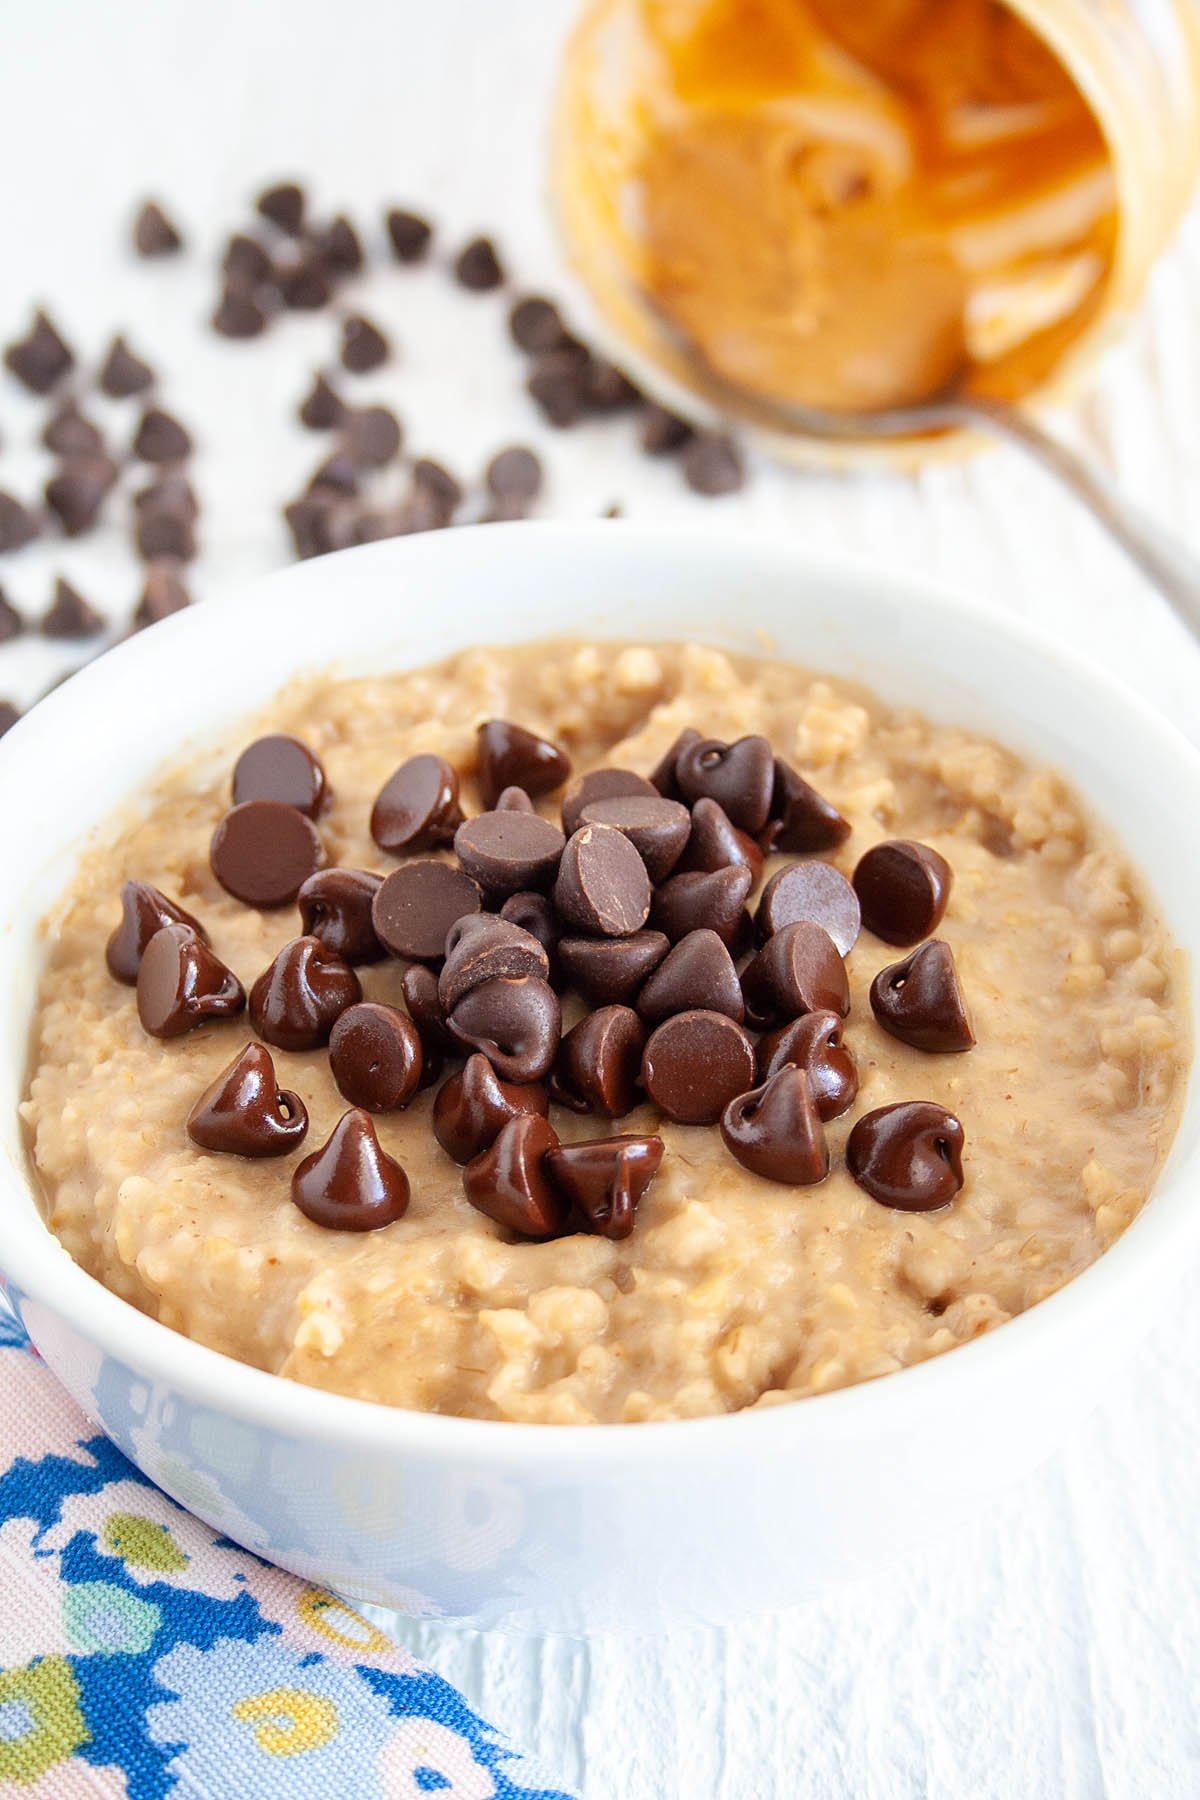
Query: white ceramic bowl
point(614, 1526)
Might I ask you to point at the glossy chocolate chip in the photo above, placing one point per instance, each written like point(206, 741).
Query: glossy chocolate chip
point(600, 784)
point(798, 970)
point(606, 1178)
point(335, 906)
point(420, 989)
point(246, 1113)
point(280, 768)
point(508, 1181)
point(663, 775)
point(418, 903)
point(515, 1021)
point(658, 829)
point(740, 777)
point(351, 1183)
point(801, 821)
point(473, 1106)
point(509, 756)
point(297, 999)
point(716, 843)
point(810, 890)
point(509, 852)
point(598, 1062)
point(813, 1043)
point(514, 799)
point(181, 984)
point(263, 852)
point(608, 971)
point(694, 1064)
point(375, 1056)
point(712, 899)
point(919, 1000)
point(602, 884)
point(908, 1156)
point(697, 973)
point(483, 947)
point(535, 913)
point(775, 1130)
point(417, 807)
point(902, 888)
point(144, 910)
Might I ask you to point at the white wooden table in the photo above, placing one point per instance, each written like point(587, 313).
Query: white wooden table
point(1054, 1648)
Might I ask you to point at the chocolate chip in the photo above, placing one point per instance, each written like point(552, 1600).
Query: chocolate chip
point(164, 533)
point(296, 1001)
point(556, 385)
point(798, 970)
point(606, 1178)
point(181, 983)
point(611, 970)
point(535, 324)
point(162, 595)
point(41, 358)
point(712, 465)
point(70, 434)
point(716, 843)
point(335, 906)
point(238, 315)
point(420, 989)
point(280, 767)
point(375, 1056)
point(371, 437)
point(508, 1181)
point(606, 389)
point(11, 622)
point(813, 1043)
point(508, 754)
point(18, 526)
point(515, 1021)
point(338, 246)
point(694, 1064)
point(697, 972)
point(514, 799)
point(662, 776)
point(338, 474)
point(663, 432)
point(602, 884)
point(919, 1000)
point(410, 234)
point(160, 438)
point(322, 407)
point(810, 890)
point(364, 346)
point(122, 373)
point(514, 474)
point(599, 784)
point(801, 821)
point(153, 232)
point(308, 521)
point(477, 266)
point(417, 807)
point(598, 1062)
point(507, 852)
point(482, 947)
point(473, 1106)
point(775, 1130)
point(658, 829)
point(69, 615)
point(714, 899)
point(535, 914)
point(245, 263)
point(171, 491)
point(422, 510)
point(417, 905)
point(304, 284)
point(908, 1155)
point(351, 1183)
point(78, 491)
point(9, 714)
point(246, 1113)
point(437, 481)
point(739, 776)
point(284, 205)
point(902, 888)
point(263, 851)
point(144, 910)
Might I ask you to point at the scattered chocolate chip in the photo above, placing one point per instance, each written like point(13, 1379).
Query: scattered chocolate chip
point(417, 905)
point(239, 314)
point(515, 1021)
point(170, 491)
point(810, 890)
point(338, 474)
point(69, 615)
point(78, 491)
point(514, 799)
point(322, 407)
point(908, 1156)
point(801, 822)
point(775, 1130)
point(508, 1181)
point(739, 776)
point(919, 1000)
point(280, 767)
point(162, 595)
point(606, 389)
point(798, 970)
point(303, 285)
point(308, 521)
point(611, 970)
point(694, 1064)
point(11, 622)
point(351, 1183)
point(409, 233)
point(596, 1069)
point(902, 888)
point(556, 385)
point(420, 989)
point(606, 1178)
point(246, 1113)
point(335, 906)
point(364, 346)
point(164, 532)
point(535, 914)
point(417, 807)
point(663, 432)
point(602, 884)
point(70, 434)
point(439, 482)
point(507, 852)
point(422, 511)
point(339, 246)
point(181, 983)
point(371, 436)
point(263, 851)
point(509, 755)
point(122, 373)
point(160, 438)
point(599, 784)
point(18, 526)
point(658, 829)
point(41, 358)
point(712, 465)
point(716, 843)
point(473, 1106)
point(712, 898)
point(9, 714)
point(375, 1056)
point(514, 475)
point(153, 232)
point(284, 205)
point(662, 776)
point(535, 324)
point(144, 910)
point(296, 1001)
point(478, 267)
point(483, 947)
point(813, 1043)
point(697, 972)
point(246, 263)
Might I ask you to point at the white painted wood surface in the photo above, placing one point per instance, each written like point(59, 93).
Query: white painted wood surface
point(1053, 1650)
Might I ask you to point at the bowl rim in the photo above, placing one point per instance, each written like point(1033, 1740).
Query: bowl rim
point(36, 1265)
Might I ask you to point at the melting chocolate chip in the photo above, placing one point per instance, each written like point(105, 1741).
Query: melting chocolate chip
point(322, 407)
point(557, 387)
point(775, 1130)
point(284, 205)
point(606, 1178)
point(144, 910)
point(181, 983)
point(153, 232)
point(280, 768)
point(506, 852)
point(18, 526)
point(610, 971)
point(508, 1181)
point(514, 799)
point(535, 914)
point(410, 234)
point(162, 595)
point(602, 884)
point(813, 1043)
point(694, 1064)
point(371, 436)
point(919, 1000)
point(598, 1062)
point(798, 970)
point(473, 1106)
point(600, 784)
point(509, 755)
point(263, 851)
point(238, 315)
point(908, 1155)
point(658, 829)
point(482, 947)
point(160, 438)
point(716, 843)
point(739, 776)
point(902, 888)
point(339, 246)
point(535, 324)
point(417, 807)
point(417, 905)
point(70, 434)
point(70, 616)
point(713, 899)
point(245, 263)
point(246, 1113)
point(41, 358)
point(351, 1183)
point(78, 491)
point(663, 432)
point(364, 346)
point(123, 374)
point(335, 906)
point(802, 822)
point(811, 890)
point(477, 266)
point(712, 465)
point(515, 1021)
point(375, 1056)
point(697, 972)
point(296, 1001)
point(514, 475)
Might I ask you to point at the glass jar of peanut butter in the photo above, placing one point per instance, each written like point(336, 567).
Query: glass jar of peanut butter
point(854, 204)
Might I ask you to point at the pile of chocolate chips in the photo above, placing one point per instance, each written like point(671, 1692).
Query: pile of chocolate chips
point(637, 904)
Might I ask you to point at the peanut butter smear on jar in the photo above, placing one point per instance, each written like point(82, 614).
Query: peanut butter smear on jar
point(850, 206)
